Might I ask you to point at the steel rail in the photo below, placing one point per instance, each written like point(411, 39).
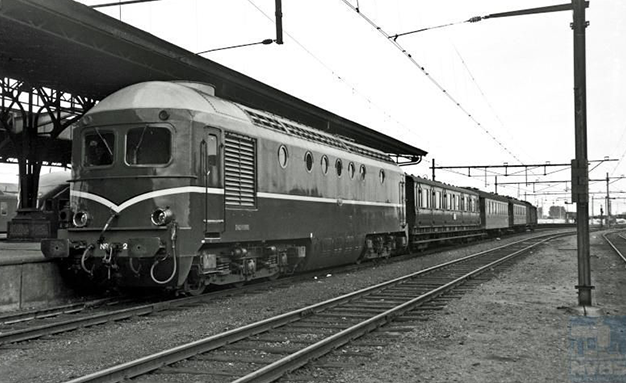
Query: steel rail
point(34, 332)
point(296, 360)
point(621, 255)
point(155, 361)
point(92, 320)
point(47, 312)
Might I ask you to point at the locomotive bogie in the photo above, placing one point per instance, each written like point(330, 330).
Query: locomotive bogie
point(244, 262)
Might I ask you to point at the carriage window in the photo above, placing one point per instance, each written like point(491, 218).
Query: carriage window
point(283, 156)
point(339, 167)
point(426, 202)
point(351, 169)
point(419, 197)
point(324, 164)
point(148, 145)
point(99, 148)
point(381, 176)
point(308, 160)
point(362, 172)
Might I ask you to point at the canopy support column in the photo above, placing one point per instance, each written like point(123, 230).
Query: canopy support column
point(32, 118)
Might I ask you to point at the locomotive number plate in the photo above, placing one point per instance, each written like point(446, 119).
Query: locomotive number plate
point(107, 246)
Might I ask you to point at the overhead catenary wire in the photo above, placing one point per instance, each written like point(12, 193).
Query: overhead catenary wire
point(264, 42)
point(395, 37)
point(334, 73)
point(622, 156)
point(269, 41)
point(429, 77)
point(480, 90)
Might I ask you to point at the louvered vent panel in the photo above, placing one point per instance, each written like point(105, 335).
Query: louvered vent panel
point(239, 171)
point(279, 124)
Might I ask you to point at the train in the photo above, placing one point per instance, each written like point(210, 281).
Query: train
point(8, 209)
point(53, 198)
point(175, 188)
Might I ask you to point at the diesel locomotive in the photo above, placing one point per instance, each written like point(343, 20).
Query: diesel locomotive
point(174, 187)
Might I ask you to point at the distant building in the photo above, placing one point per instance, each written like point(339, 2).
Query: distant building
point(9, 188)
point(557, 212)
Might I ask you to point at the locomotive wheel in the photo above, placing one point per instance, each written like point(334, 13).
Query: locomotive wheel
point(273, 277)
point(195, 287)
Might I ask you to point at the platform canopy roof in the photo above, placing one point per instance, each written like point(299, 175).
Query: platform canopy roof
point(67, 46)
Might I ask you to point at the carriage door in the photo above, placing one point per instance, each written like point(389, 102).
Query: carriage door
point(213, 190)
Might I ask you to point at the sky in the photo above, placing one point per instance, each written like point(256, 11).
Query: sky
point(512, 78)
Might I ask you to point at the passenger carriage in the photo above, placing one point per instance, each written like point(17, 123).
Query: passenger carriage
point(518, 215)
point(494, 212)
point(439, 212)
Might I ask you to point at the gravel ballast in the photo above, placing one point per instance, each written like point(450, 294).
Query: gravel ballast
point(514, 328)
point(463, 328)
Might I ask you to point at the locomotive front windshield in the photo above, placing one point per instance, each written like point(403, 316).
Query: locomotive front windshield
point(148, 145)
point(99, 148)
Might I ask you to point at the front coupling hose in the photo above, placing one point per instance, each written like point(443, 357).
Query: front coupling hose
point(84, 257)
point(173, 237)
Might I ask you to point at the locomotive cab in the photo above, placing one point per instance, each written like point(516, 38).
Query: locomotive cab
point(129, 198)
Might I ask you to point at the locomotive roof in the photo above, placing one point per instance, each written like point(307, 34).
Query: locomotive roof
point(67, 46)
point(443, 185)
point(494, 196)
point(199, 97)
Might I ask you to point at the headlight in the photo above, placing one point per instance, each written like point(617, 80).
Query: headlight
point(161, 217)
point(81, 218)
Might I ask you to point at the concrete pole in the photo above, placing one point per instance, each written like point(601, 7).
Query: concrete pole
point(608, 203)
point(582, 194)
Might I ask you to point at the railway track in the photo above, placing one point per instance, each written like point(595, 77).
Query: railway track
point(11, 318)
point(33, 324)
point(617, 241)
point(29, 325)
point(268, 350)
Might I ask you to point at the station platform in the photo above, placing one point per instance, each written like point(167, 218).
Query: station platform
point(18, 253)
point(28, 279)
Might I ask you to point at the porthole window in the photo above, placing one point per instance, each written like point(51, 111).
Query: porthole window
point(324, 164)
point(381, 176)
point(362, 172)
point(339, 167)
point(283, 156)
point(308, 161)
point(351, 170)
